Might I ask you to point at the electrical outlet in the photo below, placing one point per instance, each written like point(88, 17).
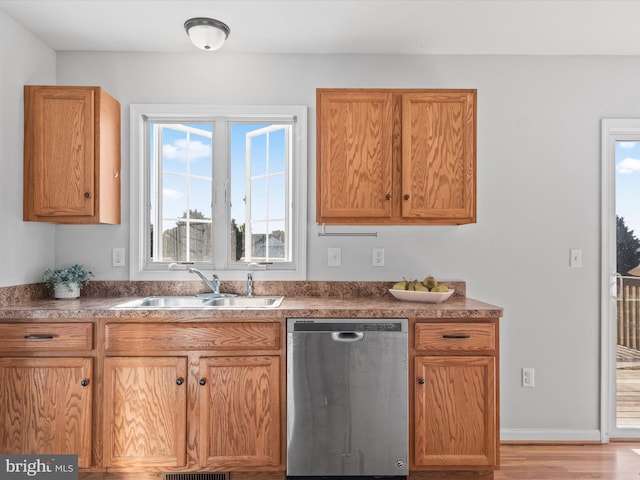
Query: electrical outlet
point(117, 257)
point(528, 377)
point(334, 257)
point(377, 257)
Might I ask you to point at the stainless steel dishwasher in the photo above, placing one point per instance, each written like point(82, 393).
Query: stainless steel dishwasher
point(347, 401)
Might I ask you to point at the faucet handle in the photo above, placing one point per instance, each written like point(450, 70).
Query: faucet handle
point(179, 265)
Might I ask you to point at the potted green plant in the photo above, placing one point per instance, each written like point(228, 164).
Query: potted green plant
point(67, 282)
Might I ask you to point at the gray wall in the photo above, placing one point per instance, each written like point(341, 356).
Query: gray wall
point(538, 195)
point(26, 249)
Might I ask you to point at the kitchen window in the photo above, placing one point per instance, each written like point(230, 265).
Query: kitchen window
point(220, 187)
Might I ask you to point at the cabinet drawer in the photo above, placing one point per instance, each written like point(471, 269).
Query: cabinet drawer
point(50, 337)
point(455, 337)
point(134, 338)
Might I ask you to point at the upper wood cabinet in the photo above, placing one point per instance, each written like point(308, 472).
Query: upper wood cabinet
point(389, 156)
point(71, 155)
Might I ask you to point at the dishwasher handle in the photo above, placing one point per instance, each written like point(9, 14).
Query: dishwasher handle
point(347, 336)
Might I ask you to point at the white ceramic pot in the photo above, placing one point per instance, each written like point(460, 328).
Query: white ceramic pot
point(67, 291)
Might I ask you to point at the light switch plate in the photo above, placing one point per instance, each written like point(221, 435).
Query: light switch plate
point(575, 259)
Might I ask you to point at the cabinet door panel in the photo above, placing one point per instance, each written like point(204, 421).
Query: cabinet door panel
point(455, 419)
point(240, 412)
point(145, 411)
point(438, 155)
point(44, 408)
point(354, 154)
point(63, 143)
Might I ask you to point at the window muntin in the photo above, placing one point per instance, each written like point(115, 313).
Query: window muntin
point(200, 228)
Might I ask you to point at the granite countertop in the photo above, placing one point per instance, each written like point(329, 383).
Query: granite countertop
point(458, 307)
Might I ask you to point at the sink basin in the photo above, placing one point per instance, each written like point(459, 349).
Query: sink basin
point(178, 302)
point(247, 302)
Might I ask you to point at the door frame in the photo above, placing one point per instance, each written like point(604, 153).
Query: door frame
point(612, 130)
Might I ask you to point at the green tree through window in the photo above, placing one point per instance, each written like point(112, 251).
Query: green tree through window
point(628, 246)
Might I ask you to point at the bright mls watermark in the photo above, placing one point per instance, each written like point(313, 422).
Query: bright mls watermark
point(49, 467)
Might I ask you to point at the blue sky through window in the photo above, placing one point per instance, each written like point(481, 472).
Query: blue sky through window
point(191, 153)
point(627, 156)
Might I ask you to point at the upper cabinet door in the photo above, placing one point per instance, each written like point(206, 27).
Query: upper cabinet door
point(438, 156)
point(71, 155)
point(63, 150)
point(354, 160)
point(396, 156)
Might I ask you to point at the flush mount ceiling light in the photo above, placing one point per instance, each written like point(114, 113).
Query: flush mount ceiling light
point(206, 33)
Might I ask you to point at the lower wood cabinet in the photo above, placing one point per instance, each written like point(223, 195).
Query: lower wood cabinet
point(455, 395)
point(455, 411)
point(201, 396)
point(46, 389)
point(208, 395)
point(145, 412)
point(240, 411)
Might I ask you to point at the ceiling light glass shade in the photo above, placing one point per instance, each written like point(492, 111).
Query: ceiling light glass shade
point(206, 33)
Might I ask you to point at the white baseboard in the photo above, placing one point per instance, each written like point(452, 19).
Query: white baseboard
point(544, 435)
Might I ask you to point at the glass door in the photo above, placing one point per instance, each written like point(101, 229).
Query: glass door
point(621, 285)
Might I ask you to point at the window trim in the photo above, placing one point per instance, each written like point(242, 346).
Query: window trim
point(139, 216)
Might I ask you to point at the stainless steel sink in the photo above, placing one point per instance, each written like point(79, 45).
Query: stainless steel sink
point(247, 302)
point(190, 302)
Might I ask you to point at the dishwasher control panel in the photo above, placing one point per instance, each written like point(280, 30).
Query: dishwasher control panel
point(334, 325)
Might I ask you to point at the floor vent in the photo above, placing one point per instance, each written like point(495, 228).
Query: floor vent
point(196, 476)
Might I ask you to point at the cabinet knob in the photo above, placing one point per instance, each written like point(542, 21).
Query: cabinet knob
point(421, 381)
point(116, 174)
point(387, 196)
point(179, 381)
point(203, 381)
point(406, 196)
point(84, 382)
point(87, 194)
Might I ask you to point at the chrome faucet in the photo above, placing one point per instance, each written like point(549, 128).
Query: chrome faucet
point(216, 283)
point(249, 285)
point(213, 285)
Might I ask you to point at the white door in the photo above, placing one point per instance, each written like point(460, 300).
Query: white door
point(620, 311)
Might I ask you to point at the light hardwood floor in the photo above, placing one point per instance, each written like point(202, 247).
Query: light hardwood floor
point(614, 461)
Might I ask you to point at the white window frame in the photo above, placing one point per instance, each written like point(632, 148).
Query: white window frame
point(141, 114)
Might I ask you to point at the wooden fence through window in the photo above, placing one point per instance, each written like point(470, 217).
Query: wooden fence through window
point(629, 314)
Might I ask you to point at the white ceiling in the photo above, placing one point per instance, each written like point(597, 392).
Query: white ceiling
point(529, 27)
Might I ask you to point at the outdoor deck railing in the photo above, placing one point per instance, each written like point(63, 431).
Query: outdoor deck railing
point(629, 312)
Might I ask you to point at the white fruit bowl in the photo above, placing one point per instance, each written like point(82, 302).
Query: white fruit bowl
point(427, 297)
